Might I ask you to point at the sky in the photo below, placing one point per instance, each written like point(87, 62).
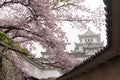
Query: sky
point(93, 4)
point(72, 33)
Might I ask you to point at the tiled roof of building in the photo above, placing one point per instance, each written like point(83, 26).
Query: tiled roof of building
point(79, 54)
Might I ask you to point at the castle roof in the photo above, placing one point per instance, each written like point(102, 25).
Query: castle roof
point(77, 54)
point(83, 44)
point(89, 32)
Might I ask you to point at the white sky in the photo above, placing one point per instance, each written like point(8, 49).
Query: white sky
point(93, 4)
point(72, 34)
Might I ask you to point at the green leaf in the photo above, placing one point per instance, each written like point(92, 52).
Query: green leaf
point(71, 4)
point(4, 37)
point(60, 0)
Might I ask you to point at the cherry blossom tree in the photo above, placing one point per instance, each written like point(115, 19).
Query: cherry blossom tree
point(29, 21)
point(26, 21)
point(78, 14)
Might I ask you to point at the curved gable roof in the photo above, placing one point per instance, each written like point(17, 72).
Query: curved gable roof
point(89, 32)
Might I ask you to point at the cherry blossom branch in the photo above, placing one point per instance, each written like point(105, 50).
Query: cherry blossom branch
point(14, 49)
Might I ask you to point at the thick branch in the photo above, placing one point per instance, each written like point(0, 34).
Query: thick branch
point(55, 64)
point(75, 20)
point(12, 48)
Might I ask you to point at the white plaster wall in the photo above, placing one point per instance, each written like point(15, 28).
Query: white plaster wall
point(40, 73)
point(83, 40)
point(94, 39)
point(46, 73)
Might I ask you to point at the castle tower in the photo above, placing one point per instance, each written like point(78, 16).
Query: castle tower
point(90, 43)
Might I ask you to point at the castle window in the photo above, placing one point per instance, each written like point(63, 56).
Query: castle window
point(88, 40)
point(91, 40)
